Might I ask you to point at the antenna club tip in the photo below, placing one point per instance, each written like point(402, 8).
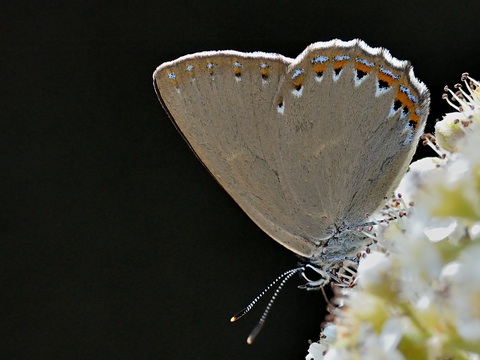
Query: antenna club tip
point(233, 319)
point(250, 340)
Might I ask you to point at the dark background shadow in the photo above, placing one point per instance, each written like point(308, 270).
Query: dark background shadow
point(115, 243)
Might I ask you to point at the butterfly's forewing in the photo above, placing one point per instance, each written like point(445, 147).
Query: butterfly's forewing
point(223, 104)
point(302, 145)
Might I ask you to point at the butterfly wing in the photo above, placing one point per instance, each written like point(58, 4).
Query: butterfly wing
point(352, 117)
point(301, 145)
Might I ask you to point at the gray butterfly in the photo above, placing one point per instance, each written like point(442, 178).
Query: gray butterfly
point(305, 146)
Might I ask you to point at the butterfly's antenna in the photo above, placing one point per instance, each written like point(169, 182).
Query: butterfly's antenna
point(283, 278)
point(245, 310)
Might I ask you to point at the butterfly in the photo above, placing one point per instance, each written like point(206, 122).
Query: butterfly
point(305, 146)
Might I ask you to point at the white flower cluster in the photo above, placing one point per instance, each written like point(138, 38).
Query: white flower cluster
point(417, 293)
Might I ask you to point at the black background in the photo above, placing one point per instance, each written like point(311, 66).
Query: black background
point(115, 243)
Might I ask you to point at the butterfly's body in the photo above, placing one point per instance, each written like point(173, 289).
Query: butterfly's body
point(305, 146)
